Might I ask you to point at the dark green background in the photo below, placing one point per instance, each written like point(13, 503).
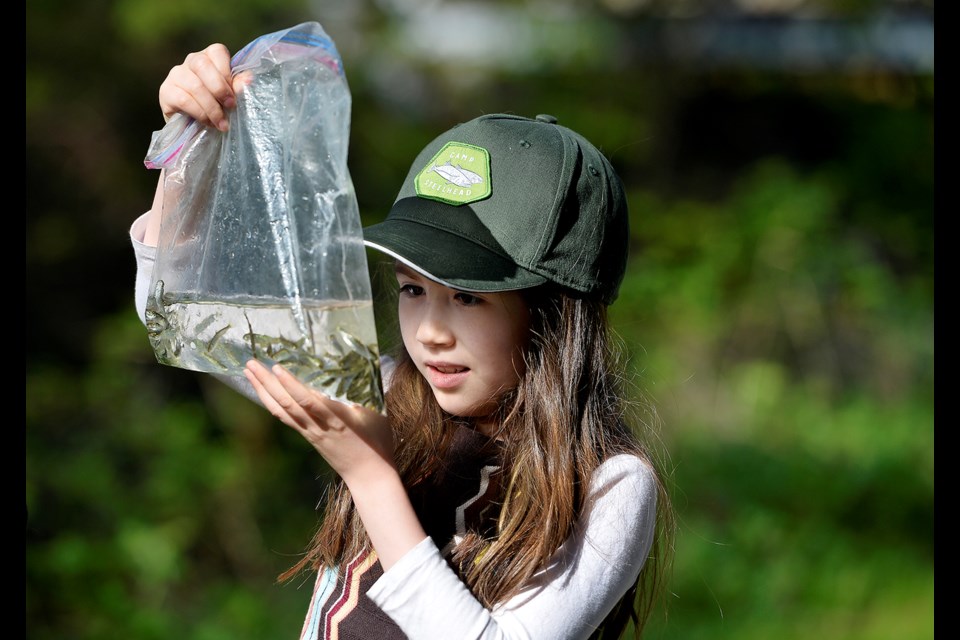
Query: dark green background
point(778, 157)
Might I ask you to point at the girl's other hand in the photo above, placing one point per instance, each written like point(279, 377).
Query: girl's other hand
point(203, 87)
point(355, 441)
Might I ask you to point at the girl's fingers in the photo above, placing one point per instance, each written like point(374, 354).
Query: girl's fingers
point(349, 437)
point(201, 87)
point(175, 99)
point(269, 403)
point(286, 397)
point(216, 78)
point(314, 404)
point(275, 398)
point(241, 80)
point(220, 57)
point(207, 85)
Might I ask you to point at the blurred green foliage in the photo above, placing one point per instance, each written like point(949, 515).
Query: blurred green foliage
point(778, 311)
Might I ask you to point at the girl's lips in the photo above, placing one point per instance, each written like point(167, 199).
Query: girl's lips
point(446, 376)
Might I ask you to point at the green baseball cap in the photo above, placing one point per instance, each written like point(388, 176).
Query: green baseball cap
point(504, 202)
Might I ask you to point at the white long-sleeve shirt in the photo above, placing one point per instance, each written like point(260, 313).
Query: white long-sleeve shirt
point(426, 599)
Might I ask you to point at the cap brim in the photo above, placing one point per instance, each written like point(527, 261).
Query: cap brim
point(448, 259)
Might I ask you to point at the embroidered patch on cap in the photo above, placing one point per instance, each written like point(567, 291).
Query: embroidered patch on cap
point(458, 174)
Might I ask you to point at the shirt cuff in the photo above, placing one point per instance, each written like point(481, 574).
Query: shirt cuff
point(138, 230)
point(146, 257)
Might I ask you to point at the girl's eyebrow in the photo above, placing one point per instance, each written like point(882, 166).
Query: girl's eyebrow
point(403, 270)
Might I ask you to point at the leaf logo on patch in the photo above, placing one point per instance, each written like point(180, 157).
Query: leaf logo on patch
point(457, 175)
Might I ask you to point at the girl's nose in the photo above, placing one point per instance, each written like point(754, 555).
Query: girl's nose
point(433, 329)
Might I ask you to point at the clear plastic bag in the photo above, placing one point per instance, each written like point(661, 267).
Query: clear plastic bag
point(261, 250)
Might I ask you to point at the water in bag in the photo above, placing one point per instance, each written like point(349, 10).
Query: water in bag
point(261, 252)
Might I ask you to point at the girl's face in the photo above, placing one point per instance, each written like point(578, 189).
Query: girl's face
point(468, 346)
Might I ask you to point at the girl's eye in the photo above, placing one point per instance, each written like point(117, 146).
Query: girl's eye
point(411, 290)
point(467, 299)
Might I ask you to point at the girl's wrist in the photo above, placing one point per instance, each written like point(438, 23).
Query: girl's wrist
point(383, 505)
point(373, 478)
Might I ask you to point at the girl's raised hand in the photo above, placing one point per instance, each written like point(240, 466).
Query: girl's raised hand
point(355, 441)
point(203, 87)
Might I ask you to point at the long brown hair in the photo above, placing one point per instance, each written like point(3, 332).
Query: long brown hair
point(567, 415)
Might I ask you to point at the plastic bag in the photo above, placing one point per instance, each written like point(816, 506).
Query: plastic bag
point(261, 251)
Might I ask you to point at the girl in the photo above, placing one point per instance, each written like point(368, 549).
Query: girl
point(506, 493)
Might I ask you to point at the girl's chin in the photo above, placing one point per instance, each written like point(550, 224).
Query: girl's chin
point(462, 410)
